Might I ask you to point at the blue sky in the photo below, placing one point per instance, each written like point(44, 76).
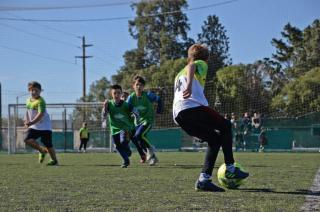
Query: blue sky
point(24, 46)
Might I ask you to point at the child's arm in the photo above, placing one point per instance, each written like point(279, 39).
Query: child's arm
point(104, 109)
point(190, 74)
point(36, 119)
point(134, 111)
point(155, 98)
point(26, 119)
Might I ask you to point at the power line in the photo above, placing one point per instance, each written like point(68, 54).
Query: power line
point(36, 55)
point(120, 18)
point(39, 36)
point(12, 8)
point(103, 60)
point(103, 51)
point(48, 27)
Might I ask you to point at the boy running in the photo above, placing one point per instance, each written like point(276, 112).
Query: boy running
point(191, 112)
point(121, 123)
point(142, 101)
point(38, 122)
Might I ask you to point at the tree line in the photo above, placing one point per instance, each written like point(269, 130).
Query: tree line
point(286, 83)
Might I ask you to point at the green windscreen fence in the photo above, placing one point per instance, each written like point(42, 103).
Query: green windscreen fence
point(282, 134)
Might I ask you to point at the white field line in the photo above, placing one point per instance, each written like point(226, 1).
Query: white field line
point(312, 202)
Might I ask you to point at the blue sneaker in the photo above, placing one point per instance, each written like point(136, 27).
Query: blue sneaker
point(207, 186)
point(237, 174)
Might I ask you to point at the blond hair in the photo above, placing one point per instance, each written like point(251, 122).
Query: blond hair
point(198, 52)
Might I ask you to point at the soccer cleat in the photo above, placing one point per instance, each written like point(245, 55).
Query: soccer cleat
point(41, 157)
point(53, 163)
point(153, 160)
point(237, 174)
point(125, 164)
point(143, 159)
point(207, 185)
point(150, 153)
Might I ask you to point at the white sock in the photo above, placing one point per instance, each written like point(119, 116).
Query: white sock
point(204, 177)
point(230, 168)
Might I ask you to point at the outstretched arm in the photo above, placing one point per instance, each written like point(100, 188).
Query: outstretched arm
point(154, 98)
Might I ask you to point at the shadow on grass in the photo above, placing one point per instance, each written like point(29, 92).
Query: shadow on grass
point(267, 190)
point(101, 165)
point(176, 166)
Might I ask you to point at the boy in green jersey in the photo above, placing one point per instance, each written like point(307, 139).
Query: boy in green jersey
point(38, 122)
point(120, 122)
point(142, 101)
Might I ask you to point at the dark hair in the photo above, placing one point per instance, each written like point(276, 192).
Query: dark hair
point(34, 84)
point(198, 52)
point(116, 86)
point(139, 79)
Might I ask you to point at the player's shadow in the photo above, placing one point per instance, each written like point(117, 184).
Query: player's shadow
point(267, 190)
point(257, 166)
point(101, 165)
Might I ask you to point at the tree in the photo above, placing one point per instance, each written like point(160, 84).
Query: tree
point(241, 88)
point(215, 37)
point(299, 51)
point(300, 96)
point(160, 29)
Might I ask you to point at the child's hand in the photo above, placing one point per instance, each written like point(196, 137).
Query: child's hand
point(105, 104)
point(187, 93)
point(28, 124)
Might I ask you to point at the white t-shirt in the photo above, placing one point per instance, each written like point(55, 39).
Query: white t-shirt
point(197, 97)
point(33, 108)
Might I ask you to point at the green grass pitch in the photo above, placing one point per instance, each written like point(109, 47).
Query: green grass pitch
point(95, 182)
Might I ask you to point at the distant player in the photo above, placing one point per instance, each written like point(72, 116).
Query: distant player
point(191, 112)
point(262, 139)
point(38, 122)
point(84, 137)
point(143, 102)
point(121, 123)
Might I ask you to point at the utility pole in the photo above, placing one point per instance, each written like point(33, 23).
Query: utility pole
point(83, 57)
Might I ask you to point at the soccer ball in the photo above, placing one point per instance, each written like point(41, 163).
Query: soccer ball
point(229, 183)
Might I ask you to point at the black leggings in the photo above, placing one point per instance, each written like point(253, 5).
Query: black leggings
point(208, 125)
point(83, 143)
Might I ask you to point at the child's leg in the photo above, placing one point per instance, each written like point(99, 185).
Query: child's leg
point(81, 144)
point(140, 136)
point(139, 148)
point(201, 122)
point(124, 140)
point(123, 154)
point(85, 141)
point(35, 145)
point(46, 139)
point(52, 153)
point(211, 157)
point(30, 140)
point(216, 121)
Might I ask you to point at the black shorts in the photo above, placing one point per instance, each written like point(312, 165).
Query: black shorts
point(45, 135)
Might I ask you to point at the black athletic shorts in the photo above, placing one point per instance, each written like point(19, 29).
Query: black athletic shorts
point(45, 135)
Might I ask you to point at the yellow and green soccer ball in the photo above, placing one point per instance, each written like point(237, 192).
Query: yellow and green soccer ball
point(229, 183)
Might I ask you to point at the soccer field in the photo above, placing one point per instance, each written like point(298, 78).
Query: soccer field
point(95, 182)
